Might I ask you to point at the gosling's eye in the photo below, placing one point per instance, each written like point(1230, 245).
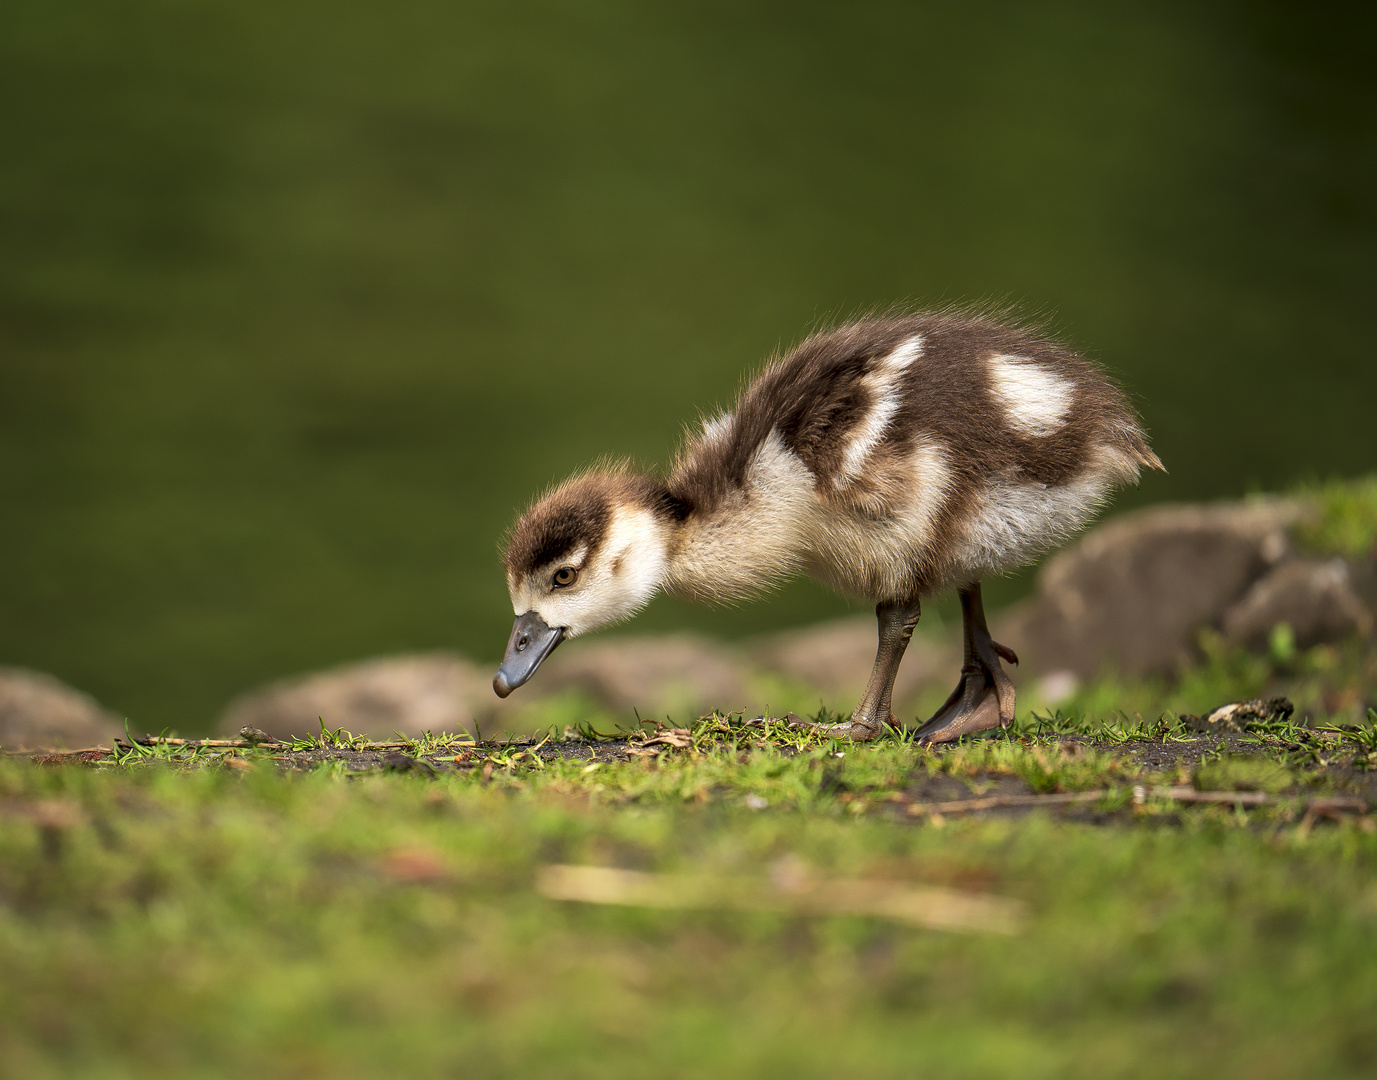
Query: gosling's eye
point(565, 576)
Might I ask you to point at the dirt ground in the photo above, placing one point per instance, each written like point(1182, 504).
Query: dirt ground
point(920, 795)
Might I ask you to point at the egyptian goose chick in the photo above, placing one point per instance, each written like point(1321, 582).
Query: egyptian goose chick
point(891, 458)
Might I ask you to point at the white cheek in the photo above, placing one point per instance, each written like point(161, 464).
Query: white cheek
point(558, 607)
point(594, 604)
point(635, 546)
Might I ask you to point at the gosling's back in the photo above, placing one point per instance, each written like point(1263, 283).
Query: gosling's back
point(893, 457)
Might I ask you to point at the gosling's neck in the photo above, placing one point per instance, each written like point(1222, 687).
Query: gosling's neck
point(745, 540)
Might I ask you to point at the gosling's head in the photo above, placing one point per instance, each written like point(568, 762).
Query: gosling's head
point(590, 553)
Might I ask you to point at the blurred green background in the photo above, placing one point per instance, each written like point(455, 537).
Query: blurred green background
point(300, 301)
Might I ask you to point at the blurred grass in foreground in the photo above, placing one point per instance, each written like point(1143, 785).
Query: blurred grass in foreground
point(157, 921)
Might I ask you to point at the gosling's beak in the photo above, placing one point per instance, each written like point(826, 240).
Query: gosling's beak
point(531, 642)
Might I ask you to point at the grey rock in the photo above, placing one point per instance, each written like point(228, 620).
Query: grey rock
point(1133, 595)
point(836, 657)
point(39, 712)
point(435, 692)
point(683, 675)
point(680, 674)
point(1314, 597)
point(1362, 578)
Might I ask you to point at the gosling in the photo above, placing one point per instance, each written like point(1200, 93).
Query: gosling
point(891, 458)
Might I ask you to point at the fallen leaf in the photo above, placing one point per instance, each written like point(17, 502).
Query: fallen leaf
point(676, 737)
point(413, 864)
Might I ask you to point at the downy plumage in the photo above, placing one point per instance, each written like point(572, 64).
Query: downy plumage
point(890, 458)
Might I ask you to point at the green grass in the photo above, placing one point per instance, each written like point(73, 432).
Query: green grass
point(185, 919)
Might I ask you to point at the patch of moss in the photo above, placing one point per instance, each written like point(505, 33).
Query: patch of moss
point(1347, 522)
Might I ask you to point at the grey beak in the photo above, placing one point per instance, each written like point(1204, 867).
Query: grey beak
point(531, 642)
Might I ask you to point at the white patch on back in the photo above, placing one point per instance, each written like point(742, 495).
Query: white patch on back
point(881, 381)
point(1035, 400)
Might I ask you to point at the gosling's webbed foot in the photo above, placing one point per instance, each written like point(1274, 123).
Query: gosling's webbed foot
point(983, 699)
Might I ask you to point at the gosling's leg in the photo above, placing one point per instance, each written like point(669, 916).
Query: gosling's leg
point(897, 621)
point(984, 698)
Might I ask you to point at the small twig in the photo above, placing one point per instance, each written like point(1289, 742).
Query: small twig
point(58, 752)
point(961, 806)
point(167, 740)
point(1319, 803)
point(1184, 794)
